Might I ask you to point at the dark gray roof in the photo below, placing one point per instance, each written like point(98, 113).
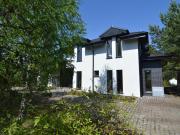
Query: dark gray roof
point(153, 58)
point(117, 32)
point(112, 31)
point(131, 35)
point(134, 34)
point(97, 40)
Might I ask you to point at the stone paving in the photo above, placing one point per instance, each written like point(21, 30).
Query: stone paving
point(151, 115)
point(157, 115)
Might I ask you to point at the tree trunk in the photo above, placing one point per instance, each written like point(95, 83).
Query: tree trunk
point(22, 108)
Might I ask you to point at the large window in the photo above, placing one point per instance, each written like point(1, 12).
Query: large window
point(109, 81)
point(78, 79)
point(148, 84)
point(118, 48)
point(109, 49)
point(79, 53)
point(119, 81)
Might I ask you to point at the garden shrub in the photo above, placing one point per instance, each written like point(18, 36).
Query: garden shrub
point(91, 114)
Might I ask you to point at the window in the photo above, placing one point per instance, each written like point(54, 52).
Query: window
point(118, 48)
point(109, 81)
point(109, 49)
point(148, 84)
point(78, 79)
point(119, 81)
point(96, 73)
point(79, 53)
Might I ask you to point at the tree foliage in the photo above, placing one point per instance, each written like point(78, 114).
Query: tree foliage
point(166, 40)
point(35, 38)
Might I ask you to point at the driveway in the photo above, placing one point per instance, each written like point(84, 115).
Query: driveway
point(151, 115)
point(157, 115)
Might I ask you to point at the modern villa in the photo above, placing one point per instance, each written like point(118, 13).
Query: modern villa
point(117, 63)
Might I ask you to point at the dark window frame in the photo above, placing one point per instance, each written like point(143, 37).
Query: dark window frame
point(109, 46)
point(96, 73)
point(148, 80)
point(79, 82)
point(79, 53)
point(119, 80)
point(118, 46)
point(109, 81)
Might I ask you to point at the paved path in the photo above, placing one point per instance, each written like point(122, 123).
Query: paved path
point(152, 115)
point(157, 115)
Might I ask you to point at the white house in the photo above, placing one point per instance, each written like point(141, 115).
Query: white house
point(116, 62)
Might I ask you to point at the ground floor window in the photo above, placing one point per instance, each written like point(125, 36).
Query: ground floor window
point(119, 81)
point(109, 81)
point(148, 84)
point(96, 73)
point(78, 79)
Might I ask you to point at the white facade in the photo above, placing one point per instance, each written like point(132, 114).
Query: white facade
point(128, 63)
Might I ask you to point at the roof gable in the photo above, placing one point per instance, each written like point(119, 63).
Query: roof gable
point(114, 31)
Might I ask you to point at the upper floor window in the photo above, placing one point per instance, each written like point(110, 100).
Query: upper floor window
point(118, 48)
point(79, 53)
point(108, 49)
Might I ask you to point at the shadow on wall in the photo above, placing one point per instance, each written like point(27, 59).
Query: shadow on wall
point(99, 49)
point(101, 84)
point(129, 46)
point(101, 87)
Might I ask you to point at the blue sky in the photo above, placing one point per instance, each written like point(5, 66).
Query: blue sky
point(135, 15)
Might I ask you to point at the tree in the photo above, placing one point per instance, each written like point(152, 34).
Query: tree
point(35, 38)
point(166, 40)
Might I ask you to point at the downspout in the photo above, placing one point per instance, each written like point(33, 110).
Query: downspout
point(93, 68)
point(140, 67)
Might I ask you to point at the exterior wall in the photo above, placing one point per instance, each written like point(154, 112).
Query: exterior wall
point(156, 75)
point(129, 64)
point(85, 67)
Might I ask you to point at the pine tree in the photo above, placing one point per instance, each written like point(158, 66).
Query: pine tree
point(167, 39)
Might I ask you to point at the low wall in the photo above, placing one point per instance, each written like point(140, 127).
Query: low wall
point(171, 90)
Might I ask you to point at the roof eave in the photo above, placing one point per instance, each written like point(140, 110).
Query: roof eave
point(155, 58)
point(135, 36)
point(124, 37)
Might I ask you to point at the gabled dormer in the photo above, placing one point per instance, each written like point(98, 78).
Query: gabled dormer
point(114, 31)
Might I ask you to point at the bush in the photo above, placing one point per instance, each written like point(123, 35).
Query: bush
point(90, 114)
point(62, 119)
point(9, 106)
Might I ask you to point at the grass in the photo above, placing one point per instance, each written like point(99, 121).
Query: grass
point(98, 96)
point(87, 114)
